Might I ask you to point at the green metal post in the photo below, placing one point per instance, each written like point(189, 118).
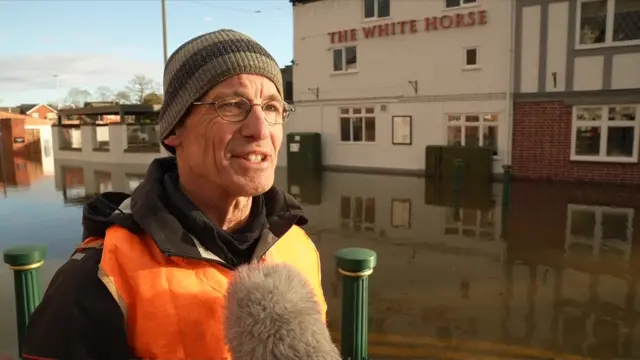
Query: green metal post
point(355, 265)
point(25, 261)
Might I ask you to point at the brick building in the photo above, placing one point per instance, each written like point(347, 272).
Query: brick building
point(577, 90)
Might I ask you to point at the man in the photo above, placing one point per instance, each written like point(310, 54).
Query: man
point(149, 279)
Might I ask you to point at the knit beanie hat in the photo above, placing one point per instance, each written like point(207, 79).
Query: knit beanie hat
point(202, 63)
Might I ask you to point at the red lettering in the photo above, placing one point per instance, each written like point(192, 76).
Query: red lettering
point(332, 36)
point(369, 32)
point(446, 21)
point(472, 18)
point(403, 24)
point(383, 30)
point(431, 23)
point(342, 36)
point(483, 17)
point(413, 26)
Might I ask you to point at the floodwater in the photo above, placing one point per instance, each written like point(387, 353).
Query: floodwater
point(552, 275)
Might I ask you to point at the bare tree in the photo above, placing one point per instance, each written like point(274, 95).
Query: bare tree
point(77, 96)
point(104, 93)
point(122, 97)
point(140, 86)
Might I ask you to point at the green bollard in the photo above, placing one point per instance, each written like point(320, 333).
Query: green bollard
point(25, 261)
point(355, 265)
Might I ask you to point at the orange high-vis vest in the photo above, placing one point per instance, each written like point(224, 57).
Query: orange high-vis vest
point(174, 307)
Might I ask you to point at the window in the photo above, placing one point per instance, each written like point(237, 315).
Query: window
point(357, 213)
point(605, 232)
point(605, 133)
point(377, 9)
point(473, 130)
point(452, 4)
point(357, 125)
point(608, 22)
point(35, 115)
point(345, 59)
point(471, 57)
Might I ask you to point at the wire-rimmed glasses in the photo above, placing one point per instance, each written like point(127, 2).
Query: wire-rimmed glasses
point(236, 109)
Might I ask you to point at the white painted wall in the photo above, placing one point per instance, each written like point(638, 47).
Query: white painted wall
point(588, 73)
point(530, 56)
point(429, 128)
point(434, 59)
point(626, 71)
point(46, 146)
point(117, 143)
point(557, 41)
point(385, 65)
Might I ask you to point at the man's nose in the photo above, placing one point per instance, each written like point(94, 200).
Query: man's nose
point(255, 126)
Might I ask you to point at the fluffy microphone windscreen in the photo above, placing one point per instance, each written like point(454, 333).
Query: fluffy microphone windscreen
point(272, 314)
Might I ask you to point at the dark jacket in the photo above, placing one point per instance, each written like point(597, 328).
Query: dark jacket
point(78, 318)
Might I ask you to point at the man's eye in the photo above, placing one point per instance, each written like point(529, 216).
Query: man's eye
point(272, 107)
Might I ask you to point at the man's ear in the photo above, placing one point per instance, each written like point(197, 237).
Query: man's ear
point(175, 139)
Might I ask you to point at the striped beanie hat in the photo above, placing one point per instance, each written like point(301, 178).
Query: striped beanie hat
point(202, 63)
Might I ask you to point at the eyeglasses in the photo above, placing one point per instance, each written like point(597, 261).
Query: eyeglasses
point(236, 109)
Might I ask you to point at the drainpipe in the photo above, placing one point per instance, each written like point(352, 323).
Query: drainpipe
point(510, 81)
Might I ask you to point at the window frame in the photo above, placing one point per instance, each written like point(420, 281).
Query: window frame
point(609, 23)
point(604, 125)
point(343, 49)
point(461, 6)
point(351, 117)
point(464, 58)
point(375, 11)
point(480, 124)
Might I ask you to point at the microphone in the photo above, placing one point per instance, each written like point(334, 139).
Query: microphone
point(272, 314)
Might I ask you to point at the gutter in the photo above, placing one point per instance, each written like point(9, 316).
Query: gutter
point(510, 81)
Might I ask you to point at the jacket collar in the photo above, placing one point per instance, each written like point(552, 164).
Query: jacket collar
point(145, 212)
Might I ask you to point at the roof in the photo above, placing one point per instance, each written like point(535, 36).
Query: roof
point(112, 110)
point(302, 2)
point(28, 120)
point(8, 115)
point(37, 106)
point(93, 104)
point(26, 107)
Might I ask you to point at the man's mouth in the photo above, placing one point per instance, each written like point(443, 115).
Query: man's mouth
point(254, 158)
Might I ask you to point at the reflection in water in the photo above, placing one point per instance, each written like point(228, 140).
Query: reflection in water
point(451, 281)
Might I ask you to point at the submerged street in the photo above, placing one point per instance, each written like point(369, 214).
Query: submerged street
point(558, 279)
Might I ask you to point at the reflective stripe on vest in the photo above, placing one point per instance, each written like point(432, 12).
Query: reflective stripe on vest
point(173, 306)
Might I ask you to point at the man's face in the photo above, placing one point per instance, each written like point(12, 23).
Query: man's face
point(238, 157)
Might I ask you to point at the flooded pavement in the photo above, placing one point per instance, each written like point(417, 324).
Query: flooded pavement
point(552, 275)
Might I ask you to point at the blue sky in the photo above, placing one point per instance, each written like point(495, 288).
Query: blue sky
point(89, 43)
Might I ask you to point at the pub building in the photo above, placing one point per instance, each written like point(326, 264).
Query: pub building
point(380, 80)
